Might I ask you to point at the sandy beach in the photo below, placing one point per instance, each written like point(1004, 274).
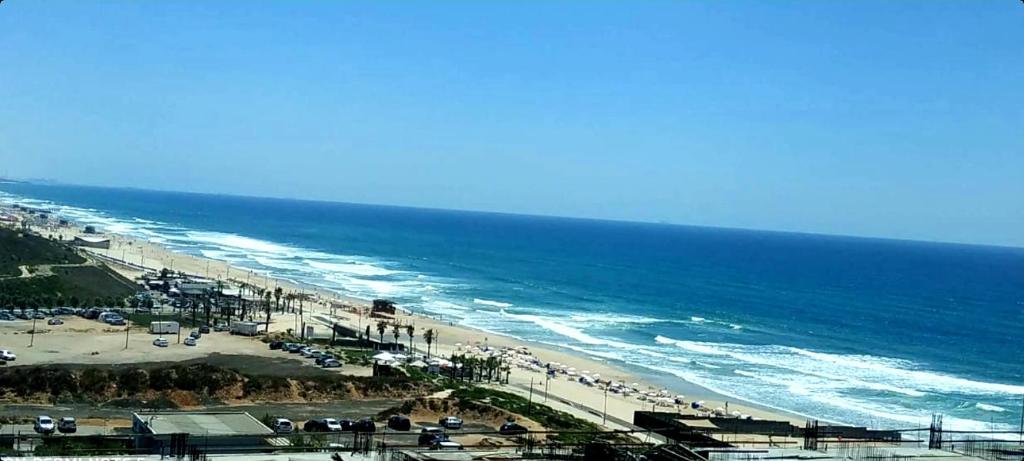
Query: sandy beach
point(131, 257)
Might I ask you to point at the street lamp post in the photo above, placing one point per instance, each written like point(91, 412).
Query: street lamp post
point(127, 329)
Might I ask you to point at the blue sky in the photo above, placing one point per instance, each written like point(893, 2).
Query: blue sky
point(894, 119)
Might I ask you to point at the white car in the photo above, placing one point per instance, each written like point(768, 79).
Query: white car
point(190, 341)
point(44, 425)
point(283, 426)
point(55, 321)
point(451, 422)
point(160, 342)
point(7, 356)
point(309, 352)
point(332, 425)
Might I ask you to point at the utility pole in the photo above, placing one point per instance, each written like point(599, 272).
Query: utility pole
point(604, 418)
point(32, 337)
point(127, 328)
point(529, 403)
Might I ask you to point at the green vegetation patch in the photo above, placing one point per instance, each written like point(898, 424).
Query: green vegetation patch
point(17, 249)
point(576, 430)
point(67, 286)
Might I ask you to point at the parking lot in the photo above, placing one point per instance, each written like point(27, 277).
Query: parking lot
point(83, 341)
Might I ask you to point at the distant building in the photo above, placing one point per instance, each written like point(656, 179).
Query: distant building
point(92, 242)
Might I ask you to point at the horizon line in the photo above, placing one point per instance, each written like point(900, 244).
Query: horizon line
point(51, 182)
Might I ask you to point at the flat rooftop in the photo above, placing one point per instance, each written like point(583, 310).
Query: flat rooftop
point(239, 423)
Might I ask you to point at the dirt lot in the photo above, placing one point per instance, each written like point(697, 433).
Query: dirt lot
point(81, 341)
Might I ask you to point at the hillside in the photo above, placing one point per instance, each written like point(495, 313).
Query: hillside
point(17, 249)
point(54, 274)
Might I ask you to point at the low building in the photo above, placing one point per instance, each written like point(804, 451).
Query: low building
point(92, 242)
point(171, 433)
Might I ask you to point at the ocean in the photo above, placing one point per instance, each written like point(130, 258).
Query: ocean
point(872, 332)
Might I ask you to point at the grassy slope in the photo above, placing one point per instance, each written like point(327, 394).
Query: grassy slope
point(86, 282)
point(23, 249)
point(544, 415)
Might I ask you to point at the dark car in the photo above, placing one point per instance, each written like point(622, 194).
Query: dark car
point(196, 334)
point(294, 348)
point(511, 428)
point(399, 423)
point(275, 345)
point(364, 425)
point(91, 314)
point(204, 329)
point(346, 425)
point(323, 358)
point(67, 425)
point(430, 435)
point(314, 425)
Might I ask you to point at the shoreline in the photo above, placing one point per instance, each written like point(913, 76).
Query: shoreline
point(128, 256)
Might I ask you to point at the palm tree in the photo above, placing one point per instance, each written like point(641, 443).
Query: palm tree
point(367, 334)
point(277, 298)
point(410, 330)
point(382, 326)
point(428, 336)
point(396, 330)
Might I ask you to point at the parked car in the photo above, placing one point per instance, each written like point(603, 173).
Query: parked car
point(322, 425)
point(22, 315)
point(308, 352)
point(38, 315)
point(283, 426)
point(160, 342)
point(143, 310)
point(431, 434)
point(294, 348)
point(275, 345)
point(450, 422)
point(55, 321)
point(446, 445)
point(345, 425)
point(195, 334)
point(331, 363)
point(315, 354)
point(320, 360)
point(364, 425)
point(333, 425)
point(7, 356)
point(314, 425)
point(67, 425)
point(399, 423)
point(44, 425)
point(221, 326)
point(511, 428)
point(116, 321)
point(190, 341)
point(204, 329)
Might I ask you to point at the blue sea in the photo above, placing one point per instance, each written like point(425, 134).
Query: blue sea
point(863, 331)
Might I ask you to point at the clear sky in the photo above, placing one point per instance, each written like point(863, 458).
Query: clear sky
point(896, 119)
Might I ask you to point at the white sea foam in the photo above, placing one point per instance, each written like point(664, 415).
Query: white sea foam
point(611, 318)
point(355, 268)
point(238, 242)
point(487, 302)
point(987, 407)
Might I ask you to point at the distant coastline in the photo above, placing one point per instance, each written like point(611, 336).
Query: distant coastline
point(780, 320)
